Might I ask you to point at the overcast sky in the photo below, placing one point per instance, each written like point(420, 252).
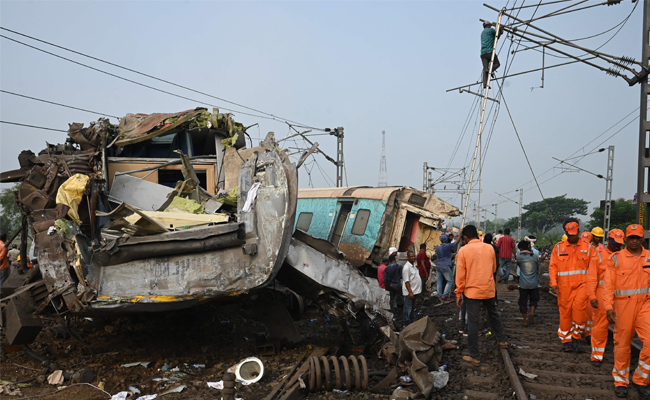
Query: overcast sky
point(366, 66)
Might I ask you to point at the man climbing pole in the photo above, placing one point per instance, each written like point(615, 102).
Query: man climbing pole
point(487, 45)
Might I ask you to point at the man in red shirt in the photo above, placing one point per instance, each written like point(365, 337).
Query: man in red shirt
point(380, 272)
point(506, 245)
point(424, 265)
point(4, 259)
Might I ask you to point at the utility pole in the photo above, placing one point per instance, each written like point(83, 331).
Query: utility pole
point(642, 198)
point(425, 184)
point(383, 171)
point(521, 202)
point(338, 132)
point(608, 188)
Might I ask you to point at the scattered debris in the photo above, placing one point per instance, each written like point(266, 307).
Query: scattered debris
point(526, 374)
point(216, 385)
point(135, 364)
point(518, 346)
point(10, 389)
point(248, 371)
point(177, 389)
point(55, 378)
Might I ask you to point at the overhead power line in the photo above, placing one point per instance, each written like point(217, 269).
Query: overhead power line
point(548, 209)
point(33, 126)
point(57, 104)
point(271, 116)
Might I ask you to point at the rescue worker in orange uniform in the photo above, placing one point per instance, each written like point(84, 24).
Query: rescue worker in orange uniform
point(626, 297)
point(598, 233)
point(595, 284)
point(588, 237)
point(568, 272)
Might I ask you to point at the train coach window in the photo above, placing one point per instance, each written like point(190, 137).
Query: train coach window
point(360, 222)
point(304, 221)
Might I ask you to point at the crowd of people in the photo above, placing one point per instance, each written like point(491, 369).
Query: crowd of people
point(597, 281)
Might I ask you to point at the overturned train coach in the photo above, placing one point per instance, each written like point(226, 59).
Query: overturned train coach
point(160, 212)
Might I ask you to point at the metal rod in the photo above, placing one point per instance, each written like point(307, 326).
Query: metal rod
point(521, 73)
point(477, 94)
point(597, 54)
point(564, 41)
point(581, 169)
point(571, 56)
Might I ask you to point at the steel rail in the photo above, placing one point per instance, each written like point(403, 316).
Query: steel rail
point(512, 374)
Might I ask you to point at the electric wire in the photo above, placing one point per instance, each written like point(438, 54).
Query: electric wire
point(57, 104)
point(148, 86)
point(272, 116)
point(622, 25)
point(33, 126)
point(548, 209)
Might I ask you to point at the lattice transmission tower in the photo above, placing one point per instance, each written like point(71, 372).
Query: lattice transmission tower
point(383, 172)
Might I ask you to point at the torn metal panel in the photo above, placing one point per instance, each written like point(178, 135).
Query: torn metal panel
point(336, 274)
point(114, 254)
point(138, 192)
point(140, 127)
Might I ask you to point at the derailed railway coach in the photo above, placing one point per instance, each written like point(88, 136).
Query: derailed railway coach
point(160, 212)
point(364, 222)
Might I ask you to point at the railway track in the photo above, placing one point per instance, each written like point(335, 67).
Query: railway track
point(537, 350)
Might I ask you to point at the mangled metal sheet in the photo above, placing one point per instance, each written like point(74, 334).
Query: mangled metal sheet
point(262, 240)
point(138, 192)
point(336, 274)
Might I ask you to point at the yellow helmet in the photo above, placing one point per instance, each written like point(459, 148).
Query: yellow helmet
point(598, 231)
point(480, 233)
point(564, 237)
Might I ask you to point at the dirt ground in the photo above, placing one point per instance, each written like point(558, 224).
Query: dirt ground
point(218, 336)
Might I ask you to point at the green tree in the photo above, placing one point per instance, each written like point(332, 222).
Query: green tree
point(537, 219)
point(512, 224)
point(9, 211)
point(623, 214)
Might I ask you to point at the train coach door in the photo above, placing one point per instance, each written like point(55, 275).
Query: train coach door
point(339, 225)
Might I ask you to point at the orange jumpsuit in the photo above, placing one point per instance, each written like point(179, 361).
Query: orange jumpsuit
point(568, 270)
point(626, 291)
point(595, 284)
point(589, 311)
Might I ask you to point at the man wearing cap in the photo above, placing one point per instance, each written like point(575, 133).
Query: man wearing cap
point(568, 272)
point(626, 297)
point(595, 285)
point(443, 267)
point(487, 46)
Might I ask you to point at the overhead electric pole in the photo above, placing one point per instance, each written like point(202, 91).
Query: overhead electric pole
point(383, 171)
point(608, 188)
point(521, 202)
point(338, 132)
point(642, 197)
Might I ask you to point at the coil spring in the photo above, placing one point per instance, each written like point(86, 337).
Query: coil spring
point(337, 373)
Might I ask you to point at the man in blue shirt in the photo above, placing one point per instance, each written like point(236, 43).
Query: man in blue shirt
point(487, 45)
point(443, 268)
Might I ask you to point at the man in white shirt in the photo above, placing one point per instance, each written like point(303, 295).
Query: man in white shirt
point(411, 287)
